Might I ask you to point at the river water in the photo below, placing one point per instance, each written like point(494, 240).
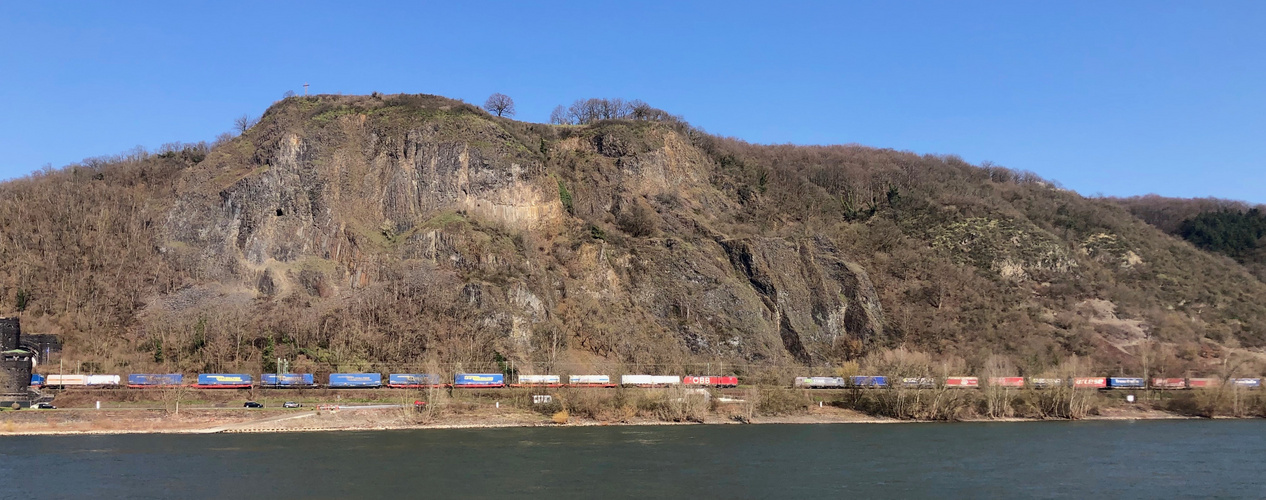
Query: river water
point(1144, 459)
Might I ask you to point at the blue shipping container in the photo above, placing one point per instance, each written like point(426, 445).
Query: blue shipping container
point(355, 380)
point(1246, 382)
point(407, 379)
point(1125, 382)
point(867, 381)
point(286, 379)
point(141, 379)
point(37, 380)
point(479, 380)
point(233, 379)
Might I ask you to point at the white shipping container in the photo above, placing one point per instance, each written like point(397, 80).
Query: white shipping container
point(665, 380)
point(589, 379)
point(539, 379)
point(636, 380)
point(102, 380)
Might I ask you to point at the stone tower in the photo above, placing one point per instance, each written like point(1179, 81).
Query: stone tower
point(15, 363)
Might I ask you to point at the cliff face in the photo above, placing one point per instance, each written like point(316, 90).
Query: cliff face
point(322, 202)
point(415, 231)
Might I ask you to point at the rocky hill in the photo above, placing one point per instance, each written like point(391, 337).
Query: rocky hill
point(413, 231)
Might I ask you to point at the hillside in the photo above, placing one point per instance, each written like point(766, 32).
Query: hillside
point(412, 231)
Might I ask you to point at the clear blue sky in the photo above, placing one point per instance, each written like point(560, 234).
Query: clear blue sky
point(1118, 98)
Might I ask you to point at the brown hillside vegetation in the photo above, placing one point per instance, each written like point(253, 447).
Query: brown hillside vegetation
point(413, 232)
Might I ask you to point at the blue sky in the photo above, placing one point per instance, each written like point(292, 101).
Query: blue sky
point(1113, 98)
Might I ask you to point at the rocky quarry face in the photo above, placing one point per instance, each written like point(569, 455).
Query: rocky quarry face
point(320, 208)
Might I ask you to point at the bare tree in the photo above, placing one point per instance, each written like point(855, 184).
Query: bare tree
point(243, 123)
point(288, 94)
point(560, 116)
point(500, 104)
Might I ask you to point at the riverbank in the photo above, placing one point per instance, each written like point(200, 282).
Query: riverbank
point(375, 417)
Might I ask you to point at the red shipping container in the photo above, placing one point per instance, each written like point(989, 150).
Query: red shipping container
point(962, 382)
point(1006, 381)
point(1201, 383)
point(1090, 382)
point(1169, 383)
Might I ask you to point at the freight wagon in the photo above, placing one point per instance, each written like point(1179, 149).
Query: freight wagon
point(1251, 383)
point(1169, 383)
point(1090, 382)
point(1202, 383)
point(223, 381)
point(868, 381)
point(1009, 382)
point(286, 380)
point(820, 382)
point(1126, 383)
point(153, 380)
point(539, 381)
point(415, 380)
point(81, 380)
point(67, 380)
point(650, 380)
point(589, 381)
point(918, 382)
point(1046, 383)
point(479, 380)
point(962, 382)
point(710, 381)
point(355, 380)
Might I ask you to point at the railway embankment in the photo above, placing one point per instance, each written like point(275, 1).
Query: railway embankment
point(330, 410)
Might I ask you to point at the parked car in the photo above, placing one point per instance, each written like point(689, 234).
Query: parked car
point(252, 404)
point(45, 406)
point(291, 404)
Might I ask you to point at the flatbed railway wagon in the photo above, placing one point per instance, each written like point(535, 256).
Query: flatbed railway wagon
point(1007, 382)
point(355, 380)
point(601, 381)
point(415, 381)
point(918, 382)
point(479, 380)
point(650, 380)
point(1247, 383)
point(66, 381)
point(1046, 383)
point(710, 381)
point(962, 382)
point(1090, 382)
point(539, 381)
point(286, 380)
point(868, 381)
point(154, 380)
point(1126, 383)
point(1169, 383)
point(1203, 383)
point(224, 381)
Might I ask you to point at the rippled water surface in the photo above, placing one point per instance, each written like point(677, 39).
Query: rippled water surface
point(1165, 459)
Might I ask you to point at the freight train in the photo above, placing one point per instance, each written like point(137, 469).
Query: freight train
point(498, 380)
